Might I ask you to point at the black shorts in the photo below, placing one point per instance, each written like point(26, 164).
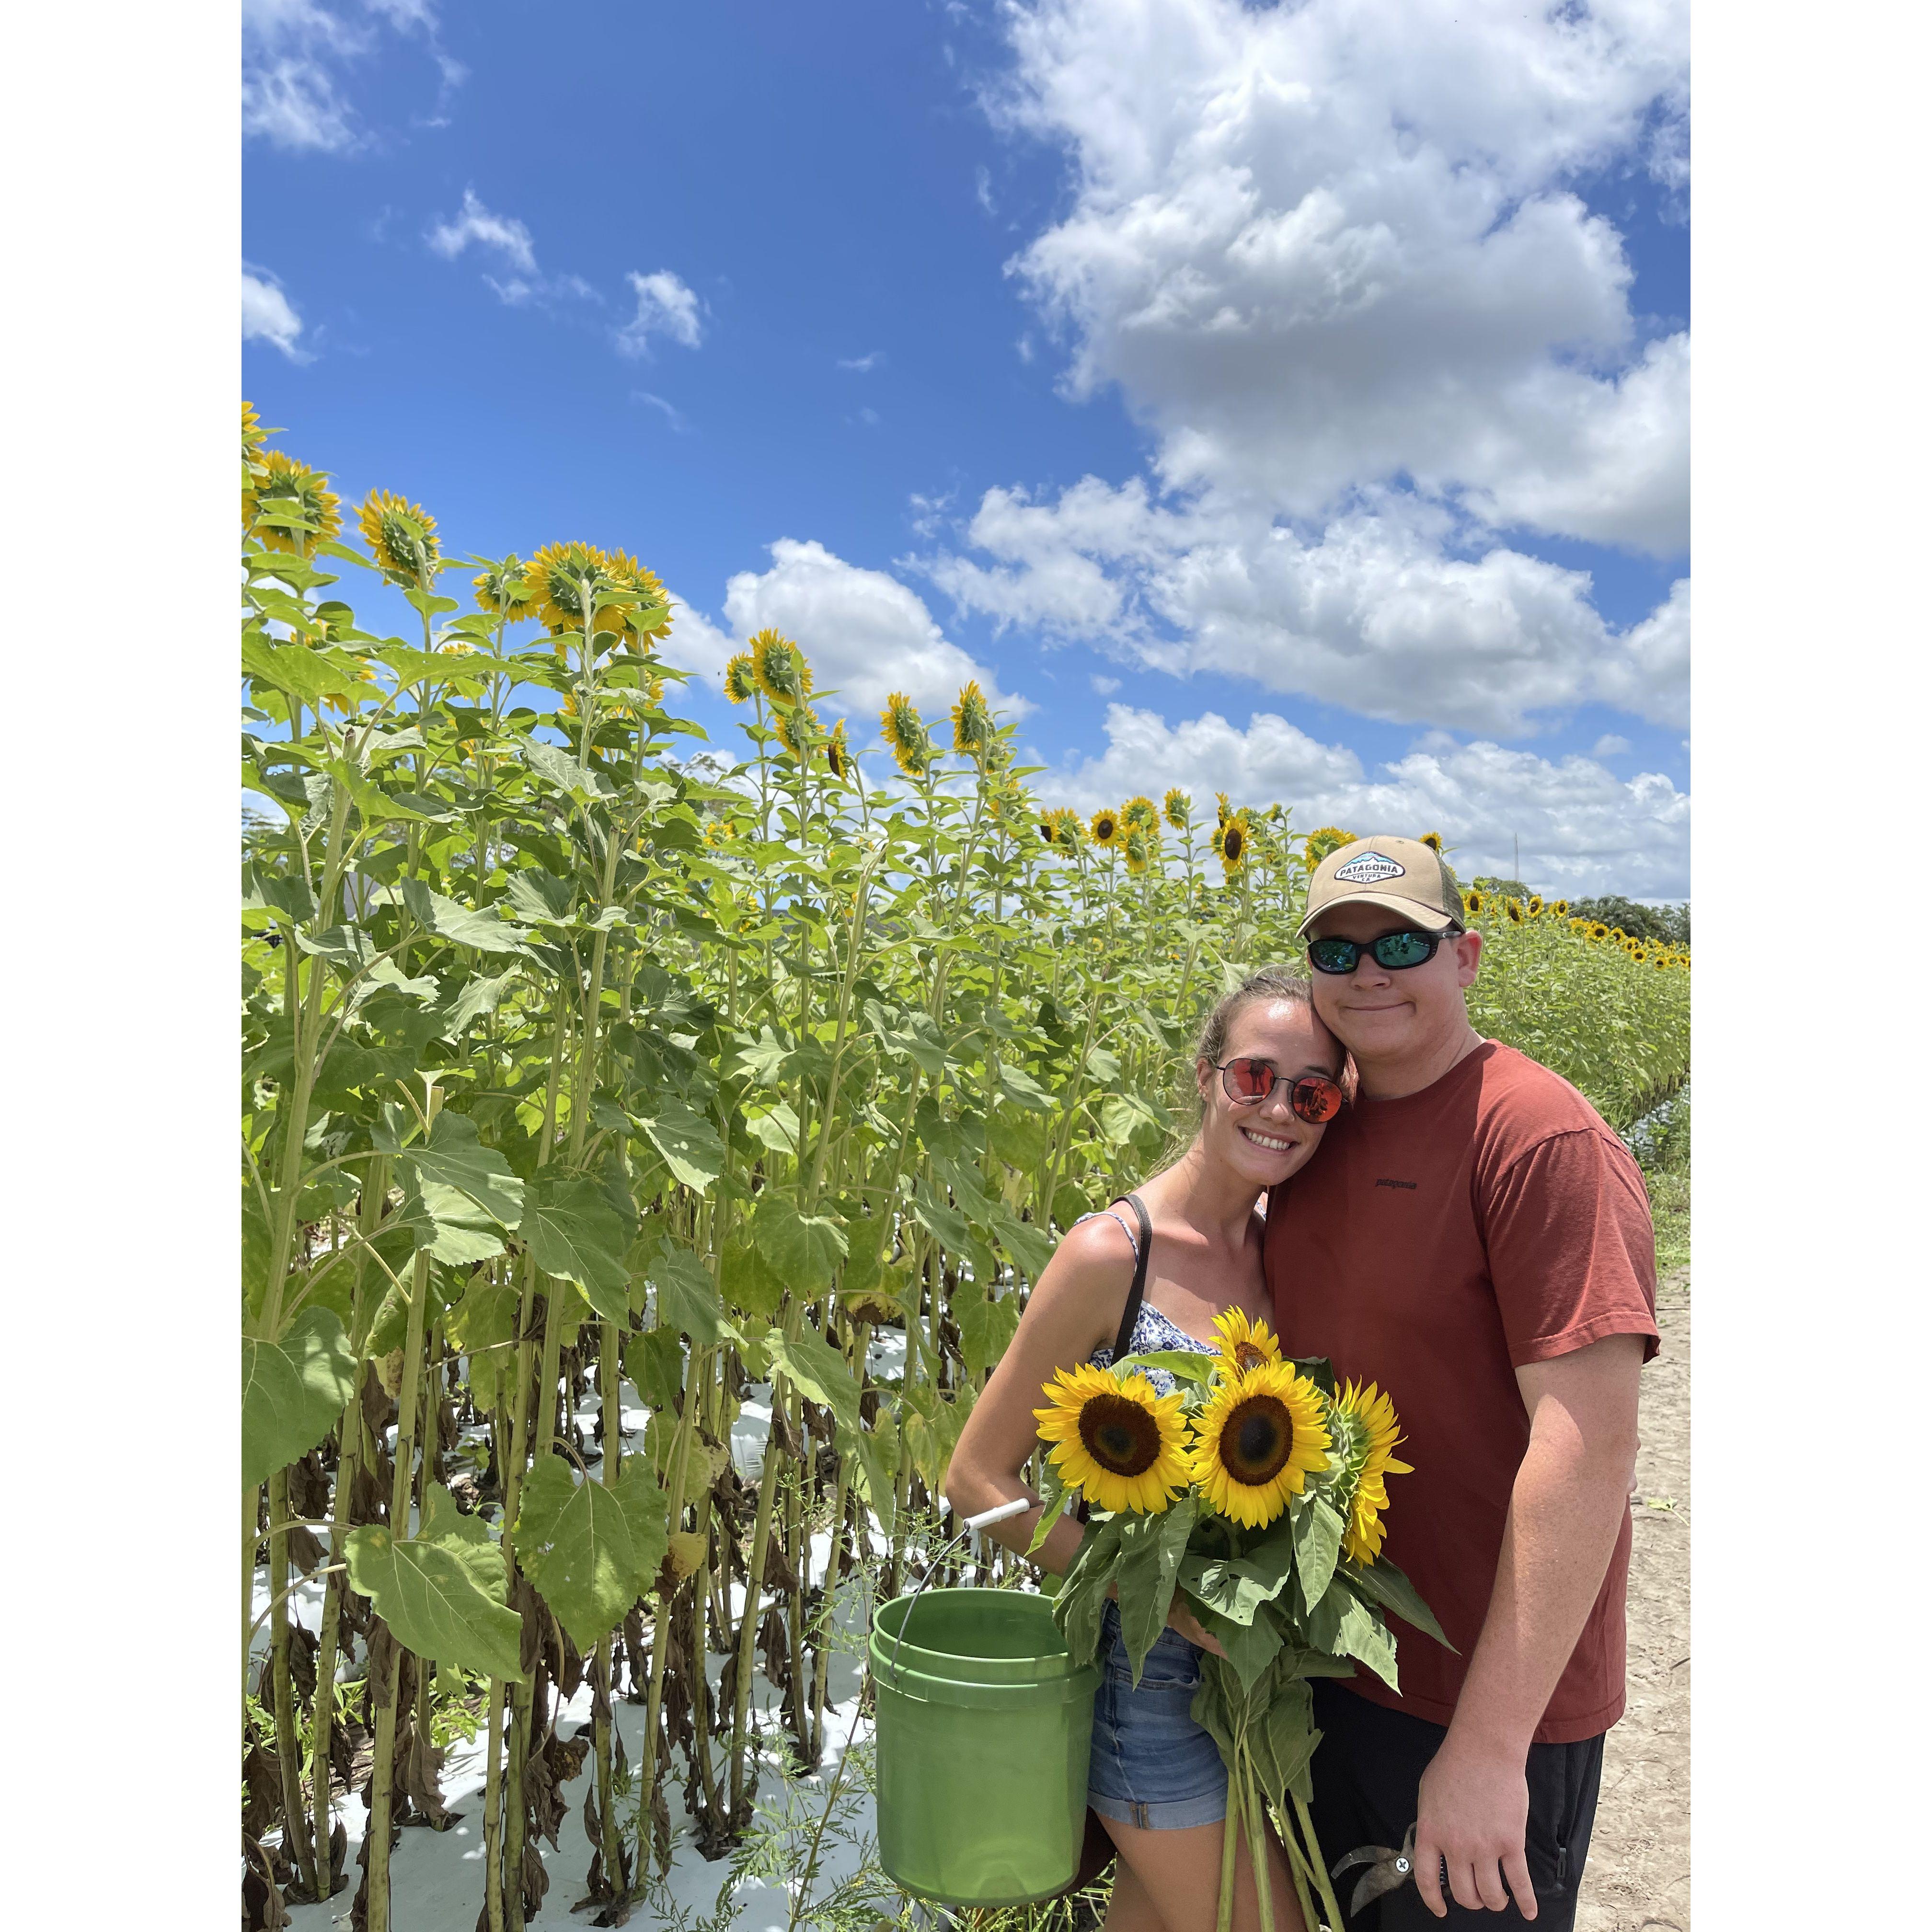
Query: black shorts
point(1367, 1770)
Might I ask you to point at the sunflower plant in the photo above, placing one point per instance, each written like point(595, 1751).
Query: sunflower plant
point(1254, 1494)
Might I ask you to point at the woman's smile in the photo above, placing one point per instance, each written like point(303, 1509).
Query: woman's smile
point(1273, 1142)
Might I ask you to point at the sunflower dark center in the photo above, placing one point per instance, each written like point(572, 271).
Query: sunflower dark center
point(1120, 1434)
point(1256, 1439)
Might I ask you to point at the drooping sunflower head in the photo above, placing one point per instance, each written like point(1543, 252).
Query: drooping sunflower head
point(839, 753)
point(1177, 807)
point(253, 434)
point(1068, 831)
point(1259, 1437)
point(1121, 1445)
point(649, 617)
point(1323, 840)
point(798, 730)
point(1223, 810)
point(972, 721)
point(1535, 908)
point(741, 680)
point(1231, 844)
point(1104, 827)
point(906, 733)
point(779, 666)
point(401, 537)
point(1245, 1345)
point(1141, 810)
point(1366, 1436)
point(1514, 909)
point(1136, 847)
point(567, 581)
point(1433, 840)
point(289, 506)
point(503, 592)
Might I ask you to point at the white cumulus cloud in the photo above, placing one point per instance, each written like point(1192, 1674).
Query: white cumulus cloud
point(666, 306)
point(1649, 672)
point(296, 54)
point(1581, 830)
point(269, 316)
point(866, 634)
point(474, 223)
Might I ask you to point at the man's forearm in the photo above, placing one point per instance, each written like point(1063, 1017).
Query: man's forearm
point(1565, 1511)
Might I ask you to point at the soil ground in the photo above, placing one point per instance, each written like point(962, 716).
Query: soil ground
point(1639, 1873)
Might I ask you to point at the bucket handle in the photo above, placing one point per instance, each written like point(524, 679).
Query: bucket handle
point(998, 1513)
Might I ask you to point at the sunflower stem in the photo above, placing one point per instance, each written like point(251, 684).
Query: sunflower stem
point(1231, 1827)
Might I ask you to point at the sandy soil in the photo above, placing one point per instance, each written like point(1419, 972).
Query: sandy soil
point(1639, 1873)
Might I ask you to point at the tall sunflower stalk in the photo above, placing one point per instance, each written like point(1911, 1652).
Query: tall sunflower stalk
point(1255, 1491)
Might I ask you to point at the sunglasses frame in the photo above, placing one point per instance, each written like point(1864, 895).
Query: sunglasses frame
point(1295, 1083)
point(1434, 940)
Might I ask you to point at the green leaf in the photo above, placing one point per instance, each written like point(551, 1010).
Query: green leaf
point(1318, 1543)
point(480, 1326)
point(933, 1421)
point(655, 1363)
point(688, 1298)
point(455, 1156)
point(1231, 1588)
point(776, 1127)
point(449, 1224)
point(441, 1591)
point(818, 1372)
point(689, 1143)
point(1082, 1596)
point(1362, 1636)
point(986, 1324)
point(803, 1249)
point(1190, 1364)
point(575, 1234)
point(747, 1279)
point(293, 1391)
point(1285, 1741)
point(947, 1226)
point(1390, 1588)
point(552, 762)
point(1023, 1090)
point(579, 1543)
point(1053, 1495)
point(1151, 1553)
point(1251, 1648)
point(448, 920)
point(1029, 1245)
point(877, 1453)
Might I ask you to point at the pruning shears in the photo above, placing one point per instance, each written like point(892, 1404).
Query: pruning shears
point(1387, 1869)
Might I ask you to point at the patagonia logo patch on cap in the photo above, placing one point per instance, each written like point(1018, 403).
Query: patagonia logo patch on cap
point(1370, 869)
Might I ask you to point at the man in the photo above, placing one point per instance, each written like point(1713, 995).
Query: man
point(1474, 1238)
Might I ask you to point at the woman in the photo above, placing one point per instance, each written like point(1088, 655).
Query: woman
point(1269, 1075)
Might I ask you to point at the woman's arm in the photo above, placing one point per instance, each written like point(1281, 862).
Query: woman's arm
point(1072, 1309)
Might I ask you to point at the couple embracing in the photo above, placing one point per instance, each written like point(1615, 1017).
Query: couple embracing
point(1438, 1213)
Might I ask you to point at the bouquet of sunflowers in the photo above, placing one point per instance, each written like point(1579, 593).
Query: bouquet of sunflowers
point(1256, 1491)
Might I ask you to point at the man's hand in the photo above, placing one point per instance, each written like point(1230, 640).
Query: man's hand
point(1181, 1618)
point(1471, 1814)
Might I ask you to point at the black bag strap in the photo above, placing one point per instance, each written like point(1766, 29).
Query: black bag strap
point(1142, 1249)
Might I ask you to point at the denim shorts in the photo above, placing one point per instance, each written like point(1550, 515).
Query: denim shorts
point(1152, 1765)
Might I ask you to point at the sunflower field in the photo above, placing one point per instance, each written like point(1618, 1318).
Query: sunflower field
point(607, 1104)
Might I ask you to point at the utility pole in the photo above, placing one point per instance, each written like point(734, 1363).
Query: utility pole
point(1516, 856)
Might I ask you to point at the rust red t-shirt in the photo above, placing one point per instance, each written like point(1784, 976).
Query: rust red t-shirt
point(1435, 1244)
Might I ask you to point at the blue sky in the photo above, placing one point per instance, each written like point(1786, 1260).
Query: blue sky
point(1287, 403)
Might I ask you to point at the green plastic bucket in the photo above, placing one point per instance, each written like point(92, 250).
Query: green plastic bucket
point(983, 1728)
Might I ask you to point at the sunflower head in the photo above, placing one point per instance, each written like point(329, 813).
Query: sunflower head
point(1231, 844)
point(1245, 1345)
point(1114, 1439)
point(1259, 1436)
point(1136, 847)
point(501, 591)
point(906, 733)
point(1514, 908)
point(798, 730)
point(780, 668)
point(253, 435)
point(1104, 827)
point(972, 721)
point(1048, 822)
point(1600, 930)
point(1223, 810)
point(741, 680)
point(1472, 903)
point(567, 583)
point(649, 617)
point(288, 506)
point(838, 752)
point(1560, 908)
point(1177, 807)
point(1070, 830)
point(1141, 810)
point(1366, 1435)
point(1535, 908)
point(1325, 839)
point(401, 537)
point(1433, 840)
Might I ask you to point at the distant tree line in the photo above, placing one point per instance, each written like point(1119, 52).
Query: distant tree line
point(1670, 923)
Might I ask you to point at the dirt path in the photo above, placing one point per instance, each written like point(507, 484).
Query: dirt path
point(1639, 1873)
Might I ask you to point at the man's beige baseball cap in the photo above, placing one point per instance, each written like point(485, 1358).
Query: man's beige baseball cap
point(1398, 875)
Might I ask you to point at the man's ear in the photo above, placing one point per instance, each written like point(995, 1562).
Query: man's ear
point(1468, 957)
